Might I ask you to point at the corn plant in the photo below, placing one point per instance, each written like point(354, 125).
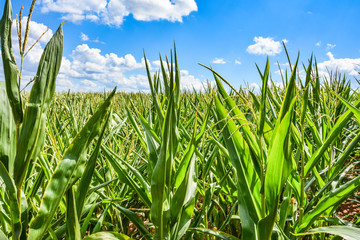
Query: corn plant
point(275, 161)
point(27, 213)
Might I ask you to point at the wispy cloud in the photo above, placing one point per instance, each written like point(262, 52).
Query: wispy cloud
point(330, 46)
point(85, 38)
point(238, 62)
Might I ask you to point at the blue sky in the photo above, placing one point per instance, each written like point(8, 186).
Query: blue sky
point(104, 39)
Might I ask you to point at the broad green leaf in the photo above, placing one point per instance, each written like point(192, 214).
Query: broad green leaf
point(153, 93)
point(331, 200)
point(107, 236)
point(160, 214)
point(85, 180)
point(335, 131)
point(101, 219)
point(183, 202)
point(277, 172)
point(346, 232)
point(31, 138)
point(14, 202)
point(242, 122)
point(214, 233)
point(9, 64)
point(123, 175)
point(3, 236)
point(62, 177)
point(264, 88)
point(240, 158)
point(355, 111)
point(85, 223)
point(135, 219)
point(72, 221)
point(7, 131)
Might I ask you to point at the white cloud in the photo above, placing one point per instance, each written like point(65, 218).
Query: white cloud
point(265, 46)
point(157, 63)
point(113, 12)
point(318, 44)
point(84, 37)
point(219, 61)
point(189, 82)
point(36, 30)
point(330, 46)
point(237, 62)
point(88, 65)
point(32, 58)
point(349, 66)
point(88, 69)
point(255, 86)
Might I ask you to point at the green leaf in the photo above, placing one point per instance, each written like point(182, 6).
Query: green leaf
point(107, 236)
point(62, 176)
point(14, 203)
point(135, 219)
point(118, 164)
point(277, 173)
point(218, 234)
point(331, 200)
point(240, 159)
point(72, 221)
point(3, 236)
point(264, 88)
point(7, 131)
point(9, 64)
point(346, 232)
point(349, 105)
point(335, 131)
point(101, 219)
point(31, 139)
point(160, 214)
point(85, 180)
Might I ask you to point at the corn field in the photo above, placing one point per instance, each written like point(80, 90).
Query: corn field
point(171, 164)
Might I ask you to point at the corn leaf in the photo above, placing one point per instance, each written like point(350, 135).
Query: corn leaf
point(61, 179)
point(7, 131)
point(9, 64)
point(31, 139)
point(107, 236)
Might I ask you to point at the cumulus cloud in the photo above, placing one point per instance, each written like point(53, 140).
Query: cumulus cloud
point(36, 30)
point(349, 66)
point(113, 12)
point(189, 82)
point(88, 69)
point(219, 61)
point(318, 44)
point(157, 63)
point(265, 46)
point(238, 62)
